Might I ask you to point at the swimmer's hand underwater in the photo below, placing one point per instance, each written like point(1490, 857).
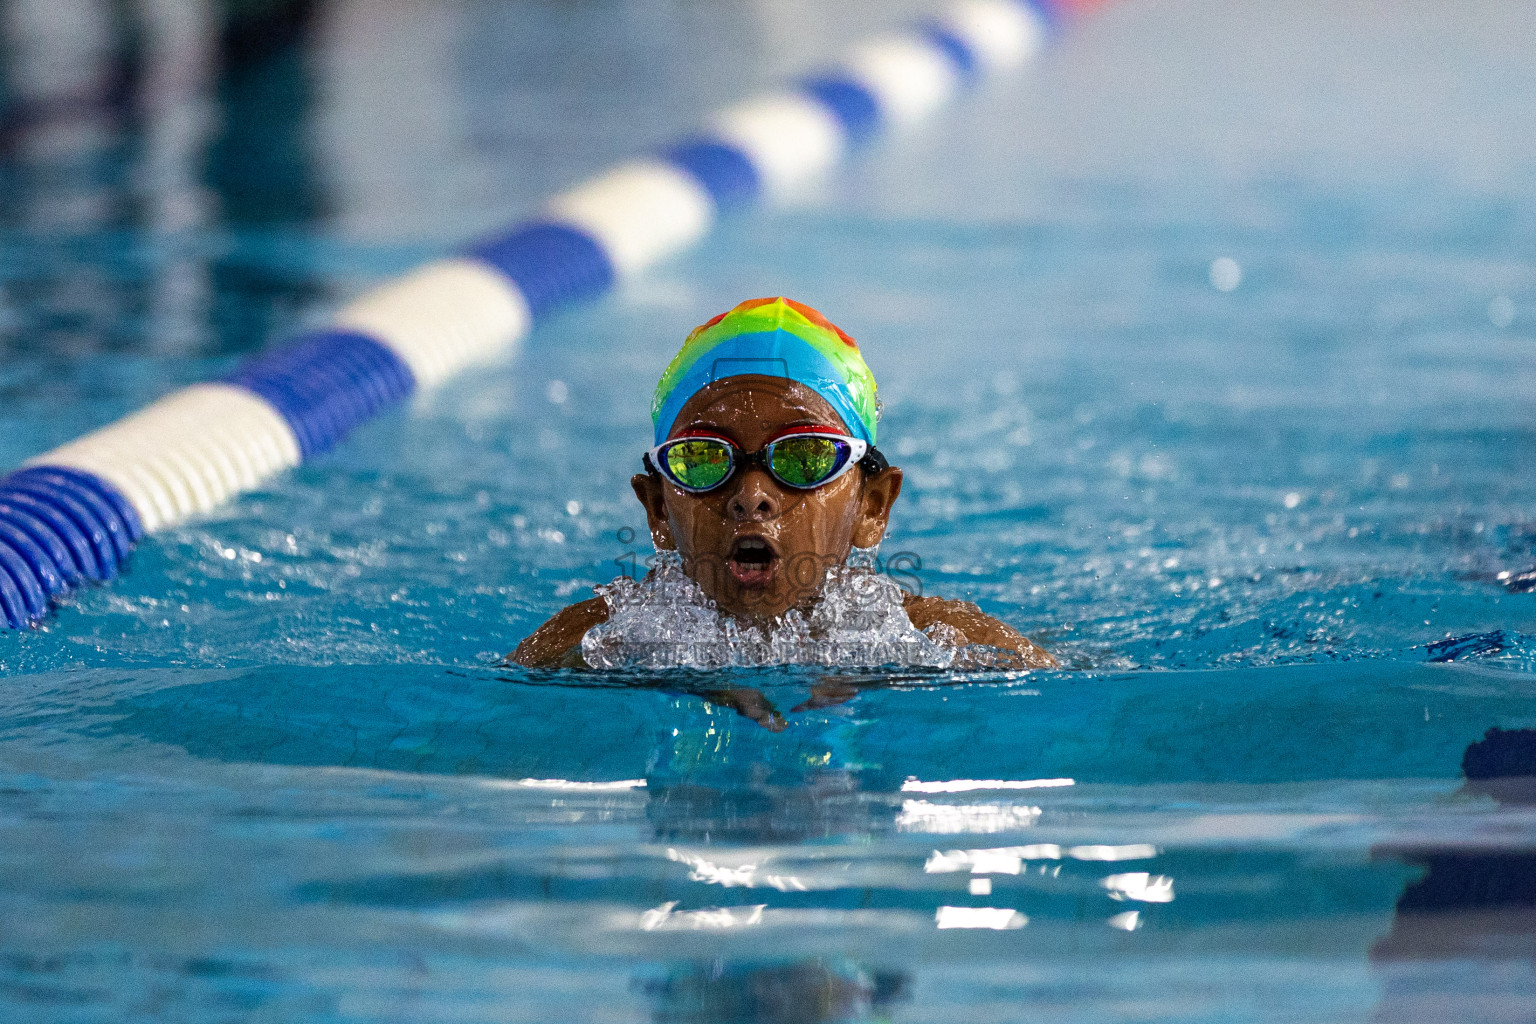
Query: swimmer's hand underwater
point(763, 481)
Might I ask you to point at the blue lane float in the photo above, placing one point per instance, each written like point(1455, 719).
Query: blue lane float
point(855, 107)
point(327, 383)
point(724, 172)
point(73, 515)
point(552, 265)
point(58, 529)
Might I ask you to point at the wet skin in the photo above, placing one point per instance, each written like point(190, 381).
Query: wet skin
point(758, 548)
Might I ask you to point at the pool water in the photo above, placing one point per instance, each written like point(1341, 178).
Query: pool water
point(1206, 346)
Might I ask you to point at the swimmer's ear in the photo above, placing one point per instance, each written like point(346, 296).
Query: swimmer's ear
point(880, 492)
point(648, 489)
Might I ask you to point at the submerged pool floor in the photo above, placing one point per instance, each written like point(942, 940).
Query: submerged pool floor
point(1274, 512)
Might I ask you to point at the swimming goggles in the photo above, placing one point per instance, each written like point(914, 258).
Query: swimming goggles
point(802, 459)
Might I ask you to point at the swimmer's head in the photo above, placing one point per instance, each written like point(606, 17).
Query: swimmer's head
point(764, 473)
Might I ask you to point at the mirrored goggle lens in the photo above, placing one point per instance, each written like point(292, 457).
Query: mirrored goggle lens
point(697, 463)
point(806, 461)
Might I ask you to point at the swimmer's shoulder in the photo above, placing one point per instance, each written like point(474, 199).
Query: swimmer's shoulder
point(978, 627)
point(557, 643)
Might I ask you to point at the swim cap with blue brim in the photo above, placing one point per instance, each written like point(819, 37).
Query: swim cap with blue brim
point(776, 338)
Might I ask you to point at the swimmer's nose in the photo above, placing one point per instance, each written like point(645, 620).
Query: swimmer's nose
point(754, 499)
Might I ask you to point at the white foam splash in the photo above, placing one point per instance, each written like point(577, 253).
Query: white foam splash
point(665, 621)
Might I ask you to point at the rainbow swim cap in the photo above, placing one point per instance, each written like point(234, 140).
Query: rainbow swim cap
point(777, 338)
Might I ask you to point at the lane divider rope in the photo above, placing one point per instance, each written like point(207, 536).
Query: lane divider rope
point(73, 515)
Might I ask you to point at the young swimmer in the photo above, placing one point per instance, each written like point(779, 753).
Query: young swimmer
point(765, 476)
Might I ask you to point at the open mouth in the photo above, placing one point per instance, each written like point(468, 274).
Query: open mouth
point(752, 561)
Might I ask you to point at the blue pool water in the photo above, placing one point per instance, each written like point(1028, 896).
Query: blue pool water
point(273, 773)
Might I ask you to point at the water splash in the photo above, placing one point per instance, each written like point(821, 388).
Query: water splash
point(666, 621)
point(1502, 647)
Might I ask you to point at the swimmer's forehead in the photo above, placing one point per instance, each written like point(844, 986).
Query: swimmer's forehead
point(752, 407)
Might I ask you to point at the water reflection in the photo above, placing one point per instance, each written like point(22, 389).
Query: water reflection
point(828, 804)
point(129, 132)
point(160, 117)
point(800, 992)
point(261, 166)
point(166, 162)
point(721, 777)
point(177, 113)
point(1472, 913)
point(68, 80)
point(260, 162)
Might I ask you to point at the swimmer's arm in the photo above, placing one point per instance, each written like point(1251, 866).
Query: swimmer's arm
point(748, 702)
point(978, 627)
point(557, 643)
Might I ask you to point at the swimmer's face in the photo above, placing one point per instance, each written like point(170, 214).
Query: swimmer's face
point(755, 546)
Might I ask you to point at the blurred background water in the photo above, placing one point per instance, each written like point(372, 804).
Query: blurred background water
point(1206, 346)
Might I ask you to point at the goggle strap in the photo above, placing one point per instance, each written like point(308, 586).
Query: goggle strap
point(873, 463)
